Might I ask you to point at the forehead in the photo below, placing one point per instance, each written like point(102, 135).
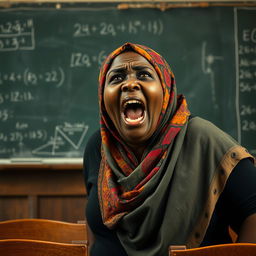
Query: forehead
point(129, 58)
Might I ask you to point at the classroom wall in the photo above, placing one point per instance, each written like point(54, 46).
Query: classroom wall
point(42, 192)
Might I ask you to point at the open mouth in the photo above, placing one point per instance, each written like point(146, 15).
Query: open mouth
point(134, 112)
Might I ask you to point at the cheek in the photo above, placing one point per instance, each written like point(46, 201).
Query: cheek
point(110, 101)
point(155, 94)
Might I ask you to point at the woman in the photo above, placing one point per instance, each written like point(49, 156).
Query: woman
point(155, 175)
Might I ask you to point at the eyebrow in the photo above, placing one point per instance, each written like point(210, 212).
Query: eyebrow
point(116, 70)
point(137, 68)
point(142, 67)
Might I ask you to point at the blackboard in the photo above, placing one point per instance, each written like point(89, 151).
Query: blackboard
point(50, 59)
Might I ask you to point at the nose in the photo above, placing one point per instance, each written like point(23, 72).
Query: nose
point(130, 85)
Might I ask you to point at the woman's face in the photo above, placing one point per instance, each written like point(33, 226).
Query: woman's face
point(133, 98)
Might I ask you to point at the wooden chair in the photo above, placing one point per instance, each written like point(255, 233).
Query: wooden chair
point(233, 249)
point(232, 234)
point(25, 247)
point(45, 230)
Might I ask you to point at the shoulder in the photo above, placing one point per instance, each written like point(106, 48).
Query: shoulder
point(93, 145)
point(203, 130)
point(199, 126)
point(211, 140)
point(240, 193)
point(94, 138)
point(205, 127)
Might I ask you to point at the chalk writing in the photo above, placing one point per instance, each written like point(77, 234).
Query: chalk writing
point(17, 35)
point(246, 76)
point(246, 49)
point(154, 27)
point(5, 114)
point(249, 35)
point(247, 110)
point(245, 62)
point(54, 77)
point(18, 136)
point(71, 134)
point(79, 59)
point(247, 87)
point(16, 96)
point(248, 126)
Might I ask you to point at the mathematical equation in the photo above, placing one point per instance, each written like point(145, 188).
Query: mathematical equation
point(246, 77)
point(64, 139)
point(247, 74)
point(20, 136)
point(16, 96)
point(154, 27)
point(247, 71)
point(246, 49)
point(54, 77)
point(248, 125)
point(80, 59)
point(246, 62)
point(17, 35)
point(247, 110)
point(247, 87)
point(6, 114)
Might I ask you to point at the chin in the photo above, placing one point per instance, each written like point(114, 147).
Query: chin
point(135, 138)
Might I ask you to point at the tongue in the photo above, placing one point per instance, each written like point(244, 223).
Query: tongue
point(134, 113)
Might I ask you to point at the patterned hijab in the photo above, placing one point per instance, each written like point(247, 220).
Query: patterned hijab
point(118, 197)
point(169, 196)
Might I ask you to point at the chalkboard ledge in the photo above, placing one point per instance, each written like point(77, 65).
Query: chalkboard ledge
point(56, 164)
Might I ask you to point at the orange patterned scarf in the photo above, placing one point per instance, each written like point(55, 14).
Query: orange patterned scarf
point(123, 184)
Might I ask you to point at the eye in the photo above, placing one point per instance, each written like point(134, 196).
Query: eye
point(116, 78)
point(144, 75)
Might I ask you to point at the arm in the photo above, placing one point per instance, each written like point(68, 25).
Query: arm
point(247, 232)
point(91, 163)
point(241, 200)
point(91, 239)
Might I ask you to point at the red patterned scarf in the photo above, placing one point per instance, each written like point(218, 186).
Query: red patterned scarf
point(123, 183)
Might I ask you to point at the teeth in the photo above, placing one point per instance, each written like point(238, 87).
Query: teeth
point(134, 120)
point(132, 102)
point(129, 120)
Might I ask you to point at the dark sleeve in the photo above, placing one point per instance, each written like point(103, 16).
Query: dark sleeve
point(240, 193)
point(91, 161)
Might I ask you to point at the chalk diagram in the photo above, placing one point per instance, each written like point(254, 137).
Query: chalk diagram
point(207, 63)
point(66, 141)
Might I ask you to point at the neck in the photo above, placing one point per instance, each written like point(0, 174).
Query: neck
point(138, 151)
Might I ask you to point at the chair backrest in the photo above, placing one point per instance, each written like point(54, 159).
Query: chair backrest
point(25, 247)
point(45, 230)
point(233, 235)
point(233, 249)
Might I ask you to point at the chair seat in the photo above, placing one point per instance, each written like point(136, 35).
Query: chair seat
point(26, 247)
point(43, 229)
point(233, 249)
